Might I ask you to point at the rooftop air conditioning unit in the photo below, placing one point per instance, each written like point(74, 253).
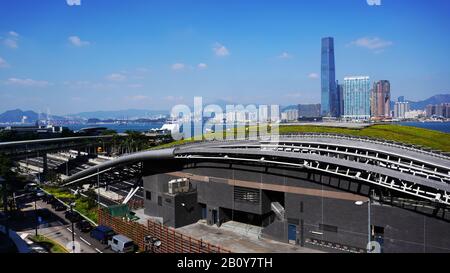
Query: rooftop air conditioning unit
point(179, 185)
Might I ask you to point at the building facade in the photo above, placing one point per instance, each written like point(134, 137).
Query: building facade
point(381, 99)
point(438, 110)
point(290, 115)
point(400, 110)
point(340, 90)
point(357, 98)
point(330, 100)
point(309, 110)
point(311, 209)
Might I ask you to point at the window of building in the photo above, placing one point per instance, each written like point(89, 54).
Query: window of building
point(328, 228)
point(247, 195)
point(159, 201)
point(148, 195)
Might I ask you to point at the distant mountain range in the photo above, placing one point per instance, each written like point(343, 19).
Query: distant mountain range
point(421, 105)
point(120, 114)
point(15, 116)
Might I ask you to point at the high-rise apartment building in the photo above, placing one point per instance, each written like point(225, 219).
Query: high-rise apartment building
point(357, 98)
point(380, 101)
point(330, 100)
point(400, 109)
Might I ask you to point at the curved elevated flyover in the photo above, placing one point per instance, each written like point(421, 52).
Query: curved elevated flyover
point(421, 173)
point(18, 149)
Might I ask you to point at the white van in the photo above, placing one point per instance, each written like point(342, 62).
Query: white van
point(122, 244)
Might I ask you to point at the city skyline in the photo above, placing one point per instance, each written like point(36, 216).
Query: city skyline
point(73, 62)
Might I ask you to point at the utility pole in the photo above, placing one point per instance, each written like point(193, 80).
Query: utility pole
point(5, 204)
point(98, 188)
point(36, 216)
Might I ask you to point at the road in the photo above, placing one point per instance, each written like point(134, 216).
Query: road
point(57, 228)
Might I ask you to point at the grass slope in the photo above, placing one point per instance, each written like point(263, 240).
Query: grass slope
point(411, 135)
point(48, 244)
point(405, 134)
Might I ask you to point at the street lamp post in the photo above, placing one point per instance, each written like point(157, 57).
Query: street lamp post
point(36, 215)
point(5, 203)
point(369, 226)
point(73, 229)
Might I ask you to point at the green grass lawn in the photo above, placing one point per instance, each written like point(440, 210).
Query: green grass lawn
point(409, 135)
point(48, 244)
point(85, 206)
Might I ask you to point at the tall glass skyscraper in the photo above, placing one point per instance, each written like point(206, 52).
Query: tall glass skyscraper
point(330, 99)
point(357, 98)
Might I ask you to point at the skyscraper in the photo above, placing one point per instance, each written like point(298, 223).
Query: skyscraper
point(381, 99)
point(330, 101)
point(357, 98)
point(340, 93)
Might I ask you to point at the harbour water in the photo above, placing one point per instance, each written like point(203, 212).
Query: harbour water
point(437, 126)
point(119, 128)
point(144, 127)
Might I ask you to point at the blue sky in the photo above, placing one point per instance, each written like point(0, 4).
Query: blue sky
point(115, 54)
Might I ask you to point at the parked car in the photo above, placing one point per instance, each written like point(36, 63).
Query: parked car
point(73, 216)
point(84, 225)
point(48, 198)
point(40, 194)
point(102, 234)
point(31, 187)
point(122, 244)
point(58, 206)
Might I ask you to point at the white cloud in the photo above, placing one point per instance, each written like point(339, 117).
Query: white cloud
point(142, 70)
point(313, 76)
point(135, 85)
point(116, 77)
point(73, 2)
point(372, 43)
point(220, 50)
point(27, 82)
point(178, 66)
point(285, 55)
point(138, 97)
point(3, 63)
point(202, 66)
point(12, 40)
point(13, 34)
point(76, 41)
point(174, 98)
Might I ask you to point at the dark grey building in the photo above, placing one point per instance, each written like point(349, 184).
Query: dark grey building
point(309, 110)
point(340, 92)
point(331, 192)
point(330, 98)
point(302, 206)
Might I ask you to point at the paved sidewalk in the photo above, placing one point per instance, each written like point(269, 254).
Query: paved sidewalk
point(239, 243)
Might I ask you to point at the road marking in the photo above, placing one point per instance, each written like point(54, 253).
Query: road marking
point(96, 249)
point(71, 231)
point(82, 239)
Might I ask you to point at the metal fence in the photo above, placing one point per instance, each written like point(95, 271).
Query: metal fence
point(172, 241)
